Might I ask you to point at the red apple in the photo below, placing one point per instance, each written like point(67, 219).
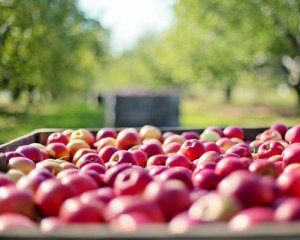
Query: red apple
point(225, 143)
point(13, 200)
point(82, 152)
point(104, 195)
point(177, 173)
point(264, 167)
point(234, 132)
point(5, 180)
point(216, 129)
point(83, 134)
point(241, 151)
point(74, 210)
point(174, 138)
point(172, 147)
point(89, 158)
point(192, 149)
point(106, 152)
point(228, 165)
point(156, 170)
point(178, 160)
point(58, 150)
point(288, 210)
point(210, 156)
point(291, 154)
point(106, 132)
point(13, 221)
point(157, 160)
point(152, 149)
point(104, 142)
point(289, 183)
point(9, 155)
point(211, 146)
point(208, 165)
point(122, 156)
point(210, 135)
point(205, 179)
point(127, 138)
point(98, 168)
point(281, 128)
point(248, 218)
point(128, 204)
point(14, 174)
point(141, 157)
point(31, 152)
point(293, 134)
point(66, 172)
point(132, 181)
point(50, 195)
point(270, 134)
point(164, 194)
point(269, 149)
point(79, 182)
point(183, 223)
point(190, 135)
point(57, 137)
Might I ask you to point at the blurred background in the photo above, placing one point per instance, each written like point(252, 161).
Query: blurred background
point(231, 62)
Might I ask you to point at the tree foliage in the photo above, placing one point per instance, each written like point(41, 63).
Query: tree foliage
point(48, 46)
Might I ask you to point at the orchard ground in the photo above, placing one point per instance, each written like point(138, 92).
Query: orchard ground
point(247, 110)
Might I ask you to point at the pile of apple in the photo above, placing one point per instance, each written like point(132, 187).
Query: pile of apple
point(134, 178)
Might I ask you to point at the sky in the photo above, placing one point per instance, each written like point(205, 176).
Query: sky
point(128, 20)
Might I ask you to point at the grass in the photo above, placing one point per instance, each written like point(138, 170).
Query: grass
point(248, 109)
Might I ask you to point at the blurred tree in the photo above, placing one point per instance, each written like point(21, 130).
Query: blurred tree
point(48, 46)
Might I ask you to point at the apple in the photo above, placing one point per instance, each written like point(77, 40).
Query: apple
point(68, 133)
point(212, 146)
point(255, 144)
point(289, 183)
point(208, 165)
point(13, 200)
point(50, 164)
point(104, 195)
point(89, 158)
point(113, 172)
point(5, 180)
point(178, 160)
point(75, 145)
point(14, 221)
point(23, 164)
point(132, 181)
point(291, 154)
point(149, 131)
point(243, 185)
point(106, 132)
point(205, 179)
point(50, 195)
point(51, 224)
point(281, 128)
point(216, 129)
point(234, 132)
point(192, 149)
point(98, 168)
point(157, 160)
point(79, 182)
point(213, 207)
point(210, 135)
point(104, 142)
point(183, 223)
point(127, 138)
point(190, 135)
point(293, 135)
point(58, 150)
point(250, 217)
point(74, 210)
point(140, 156)
point(106, 152)
point(270, 134)
point(14, 174)
point(181, 174)
point(156, 170)
point(210, 156)
point(225, 143)
point(9, 155)
point(174, 138)
point(122, 156)
point(151, 149)
point(31, 152)
point(82, 152)
point(66, 172)
point(172, 147)
point(241, 151)
point(228, 165)
point(197, 193)
point(57, 137)
point(130, 222)
point(171, 196)
point(131, 204)
point(288, 210)
point(269, 149)
point(83, 134)
point(264, 167)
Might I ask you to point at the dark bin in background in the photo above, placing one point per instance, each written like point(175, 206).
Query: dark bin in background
point(138, 110)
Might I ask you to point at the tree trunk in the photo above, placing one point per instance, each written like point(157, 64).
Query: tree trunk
point(228, 94)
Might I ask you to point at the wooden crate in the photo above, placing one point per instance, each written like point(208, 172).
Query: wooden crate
point(207, 231)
